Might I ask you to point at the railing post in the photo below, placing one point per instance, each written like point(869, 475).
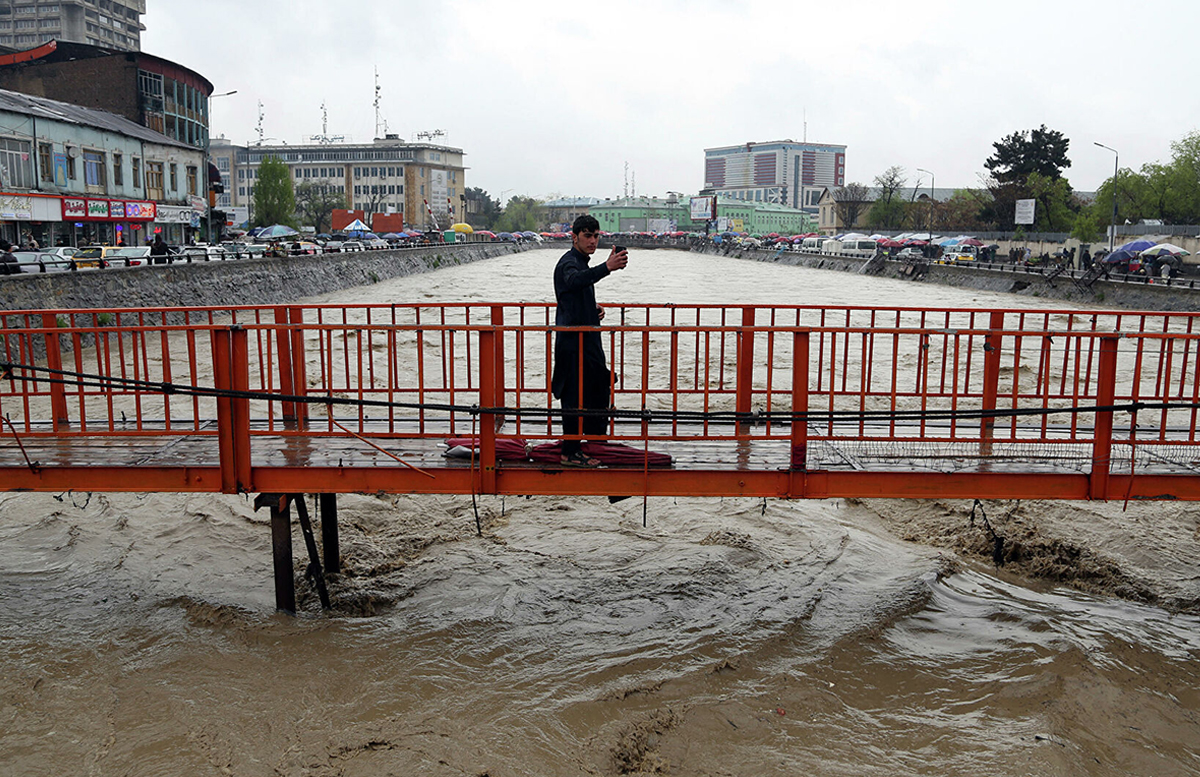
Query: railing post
point(745, 370)
point(991, 380)
point(283, 350)
point(1106, 393)
point(487, 399)
point(289, 344)
point(58, 390)
point(231, 372)
point(799, 457)
point(498, 322)
point(327, 504)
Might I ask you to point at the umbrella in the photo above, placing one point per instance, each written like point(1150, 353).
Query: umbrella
point(356, 226)
point(950, 241)
point(465, 228)
point(970, 241)
point(1137, 245)
point(486, 233)
point(1165, 249)
point(1118, 256)
point(276, 230)
point(393, 236)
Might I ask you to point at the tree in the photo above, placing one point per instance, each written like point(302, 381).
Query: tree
point(482, 209)
point(520, 214)
point(274, 200)
point(850, 201)
point(315, 203)
point(1042, 151)
point(889, 210)
point(963, 211)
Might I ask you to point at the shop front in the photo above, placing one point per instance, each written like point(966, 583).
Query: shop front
point(176, 223)
point(91, 221)
point(26, 216)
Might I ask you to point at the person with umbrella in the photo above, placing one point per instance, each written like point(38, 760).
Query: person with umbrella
point(581, 380)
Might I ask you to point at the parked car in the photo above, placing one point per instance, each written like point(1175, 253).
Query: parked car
point(353, 245)
point(910, 254)
point(244, 250)
point(128, 256)
point(66, 252)
point(92, 257)
point(199, 253)
point(41, 261)
point(375, 244)
point(959, 254)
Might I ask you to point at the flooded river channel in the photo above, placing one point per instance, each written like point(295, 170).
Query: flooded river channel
point(724, 637)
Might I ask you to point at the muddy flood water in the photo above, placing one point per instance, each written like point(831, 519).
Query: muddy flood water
point(724, 637)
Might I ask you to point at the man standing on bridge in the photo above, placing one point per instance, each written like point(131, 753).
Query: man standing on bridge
point(581, 383)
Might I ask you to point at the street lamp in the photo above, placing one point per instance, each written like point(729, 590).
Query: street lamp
point(932, 180)
point(1112, 232)
point(207, 151)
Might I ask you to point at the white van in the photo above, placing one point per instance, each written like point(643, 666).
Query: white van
point(812, 245)
point(864, 249)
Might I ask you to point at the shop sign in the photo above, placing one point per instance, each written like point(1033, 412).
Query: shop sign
point(16, 208)
point(116, 210)
point(199, 204)
point(139, 211)
point(97, 209)
point(74, 209)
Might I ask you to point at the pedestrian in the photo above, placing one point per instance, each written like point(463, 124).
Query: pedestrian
point(158, 251)
point(581, 380)
point(31, 243)
point(1085, 259)
point(8, 263)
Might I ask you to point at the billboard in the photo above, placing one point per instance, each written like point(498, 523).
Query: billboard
point(1025, 210)
point(703, 208)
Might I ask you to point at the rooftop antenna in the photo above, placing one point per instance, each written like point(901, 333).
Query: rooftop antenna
point(626, 191)
point(260, 127)
point(633, 184)
point(378, 92)
point(324, 120)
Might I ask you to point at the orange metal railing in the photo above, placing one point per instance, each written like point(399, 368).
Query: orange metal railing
point(897, 390)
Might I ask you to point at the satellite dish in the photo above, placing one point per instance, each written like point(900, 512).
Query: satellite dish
point(72, 152)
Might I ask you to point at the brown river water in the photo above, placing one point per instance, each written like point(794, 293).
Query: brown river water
point(724, 637)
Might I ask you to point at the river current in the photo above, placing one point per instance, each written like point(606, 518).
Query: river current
point(722, 637)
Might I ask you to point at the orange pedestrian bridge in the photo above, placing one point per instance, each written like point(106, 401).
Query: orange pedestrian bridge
point(709, 400)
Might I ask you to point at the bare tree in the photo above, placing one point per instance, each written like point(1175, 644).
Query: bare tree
point(852, 199)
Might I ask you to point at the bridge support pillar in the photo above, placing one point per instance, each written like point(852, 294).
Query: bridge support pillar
point(329, 532)
point(281, 549)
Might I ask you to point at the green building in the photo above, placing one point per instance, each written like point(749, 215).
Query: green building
point(653, 214)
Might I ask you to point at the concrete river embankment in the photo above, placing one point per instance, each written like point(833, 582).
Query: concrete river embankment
point(1180, 295)
point(237, 282)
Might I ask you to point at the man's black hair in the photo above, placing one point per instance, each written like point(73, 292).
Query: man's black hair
point(585, 223)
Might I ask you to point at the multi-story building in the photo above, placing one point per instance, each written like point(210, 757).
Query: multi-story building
point(113, 24)
point(782, 172)
point(561, 212)
point(652, 214)
point(72, 176)
point(387, 176)
point(157, 93)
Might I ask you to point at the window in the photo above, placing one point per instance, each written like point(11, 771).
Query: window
point(46, 161)
point(154, 180)
point(193, 182)
point(174, 177)
point(298, 172)
point(135, 168)
point(93, 171)
point(118, 171)
point(16, 163)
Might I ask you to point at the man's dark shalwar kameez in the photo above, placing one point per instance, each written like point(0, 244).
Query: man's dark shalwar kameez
point(574, 290)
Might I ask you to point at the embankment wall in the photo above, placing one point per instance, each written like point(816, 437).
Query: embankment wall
point(1178, 296)
point(239, 282)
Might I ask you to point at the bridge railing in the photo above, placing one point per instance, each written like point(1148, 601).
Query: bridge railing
point(925, 386)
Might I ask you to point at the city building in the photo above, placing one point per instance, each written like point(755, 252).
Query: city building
point(154, 92)
point(673, 214)
point(561, 212)
point(425, 183)
point(71, 175)
point(835, 206)
point(113, 24)
point(782, 172)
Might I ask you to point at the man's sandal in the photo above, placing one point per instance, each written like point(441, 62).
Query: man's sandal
point(578, 459)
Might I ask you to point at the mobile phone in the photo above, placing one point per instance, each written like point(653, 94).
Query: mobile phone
point(619, 249)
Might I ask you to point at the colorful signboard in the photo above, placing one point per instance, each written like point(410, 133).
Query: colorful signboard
point(80, 209)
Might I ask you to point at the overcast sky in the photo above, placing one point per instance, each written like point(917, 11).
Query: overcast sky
point(553, 98)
